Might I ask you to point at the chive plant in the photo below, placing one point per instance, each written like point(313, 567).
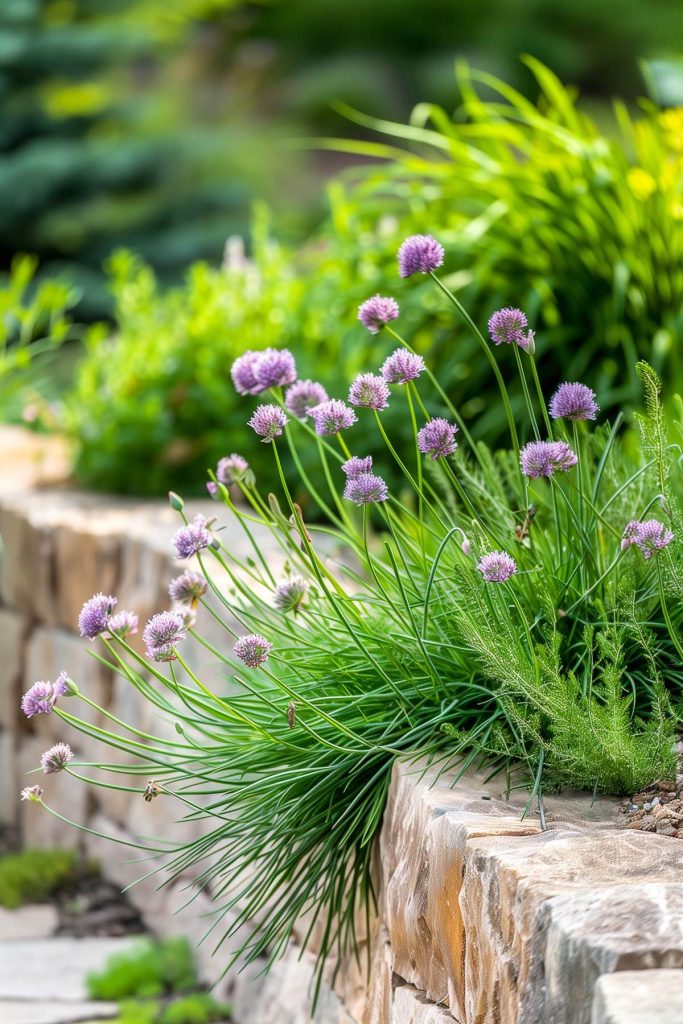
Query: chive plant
point(512, 608)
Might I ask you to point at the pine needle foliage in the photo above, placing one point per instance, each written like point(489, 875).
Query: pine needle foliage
point(571, 667)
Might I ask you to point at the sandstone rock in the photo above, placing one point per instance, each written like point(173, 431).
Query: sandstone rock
point(54, 969)
point(13, 633)
point(411, 1007)
point(31, 460)
point(36, 921)
point(17, 1012)
point(9, 778)
point(639, 997)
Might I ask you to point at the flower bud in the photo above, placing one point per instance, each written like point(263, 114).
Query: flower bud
point(175, 501)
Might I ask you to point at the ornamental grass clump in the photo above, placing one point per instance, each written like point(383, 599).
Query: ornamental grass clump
point(519, 608)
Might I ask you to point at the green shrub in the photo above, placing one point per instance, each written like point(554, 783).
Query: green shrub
point(147, 969)
point(34, 875)
point(198, 1008)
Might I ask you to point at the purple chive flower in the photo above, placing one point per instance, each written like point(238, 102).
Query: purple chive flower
point(290, 594)
point(122, 624)
point(573, 402)
point(303, 396)
point(56, 758)
point(497, 566)
point(355, 466)
point(212, 488)
point(466, 547)
point(332, 416)
point(543, 458)
point(231, 469)
point(243, 375)
point(274, 368)
point(268, 422)
point(38, 700)
point(369, 391)
point(419, 254)
point(437, 438)
point(253, 649)
point(374, 313)
point(94, 615)
point(510, 327)
point(162, 633)
point(194, 537)
point(365, 489)
point(62, 687)
point(187, 588)
point(649, 536)
point(33, 794)
point(402, 366)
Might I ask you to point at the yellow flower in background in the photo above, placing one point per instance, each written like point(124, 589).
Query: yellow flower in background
point(672, 123)
point(75, 99)
point(641, 182)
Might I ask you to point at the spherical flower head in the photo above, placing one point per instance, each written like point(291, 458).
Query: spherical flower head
point(243, 375)
point(573, 402)
point(187, 588)
point(543, 458)
point(34, 794)
point(374, 313)
point(402, 366)
point(274, 368)
point(497, 566)
point(355, 466)
point(94, 615)
point(268, 422)
point(162, 633)
point(122, 624)
point(332, 416)
point(649, 536)
point(369, 392)
point(39, 699)
point(437, 438)
point(419, 254)
point(56, 758)
point(365, 489)
point(253, 649)
point(303, 396)
point(63, 687)
point(509, 326)
point(231, 469)
point(194, 537)
point(290, 594)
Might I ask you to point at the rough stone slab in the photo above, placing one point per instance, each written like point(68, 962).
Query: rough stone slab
point(36, 921)
point(639, 997)
point(55, 1013)
point(410, 1006)
point(53, 969)
point(13, 631)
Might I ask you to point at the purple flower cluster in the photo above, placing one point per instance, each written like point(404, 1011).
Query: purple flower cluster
point(402, 366)
point(122, 624)
point(254, 372)
point(332, 416)
point(41, 698)
point(365, 488)
point(649, 536)
point(290, 594)
point(355, 466)
point(573, 401)
point(56, 758)
point(303, 396)
point(94, 615)
point(543, 458)
point(33, 794)
point(497, 566)
point(419, 254)
point(437, 438)
point(162, 633)
point(268, 421)
point(193, 538)
point(510, 327)
point(369, 391)
point(231, 468)
point(187, 588)
point(377, 311)
point(253, 649)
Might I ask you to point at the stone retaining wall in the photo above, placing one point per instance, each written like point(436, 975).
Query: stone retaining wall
point(484, 918)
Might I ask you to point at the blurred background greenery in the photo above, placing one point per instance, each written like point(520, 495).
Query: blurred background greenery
point(140, 135)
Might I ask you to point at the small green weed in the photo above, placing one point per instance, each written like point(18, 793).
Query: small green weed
point(34, 875)
point(146, 970)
